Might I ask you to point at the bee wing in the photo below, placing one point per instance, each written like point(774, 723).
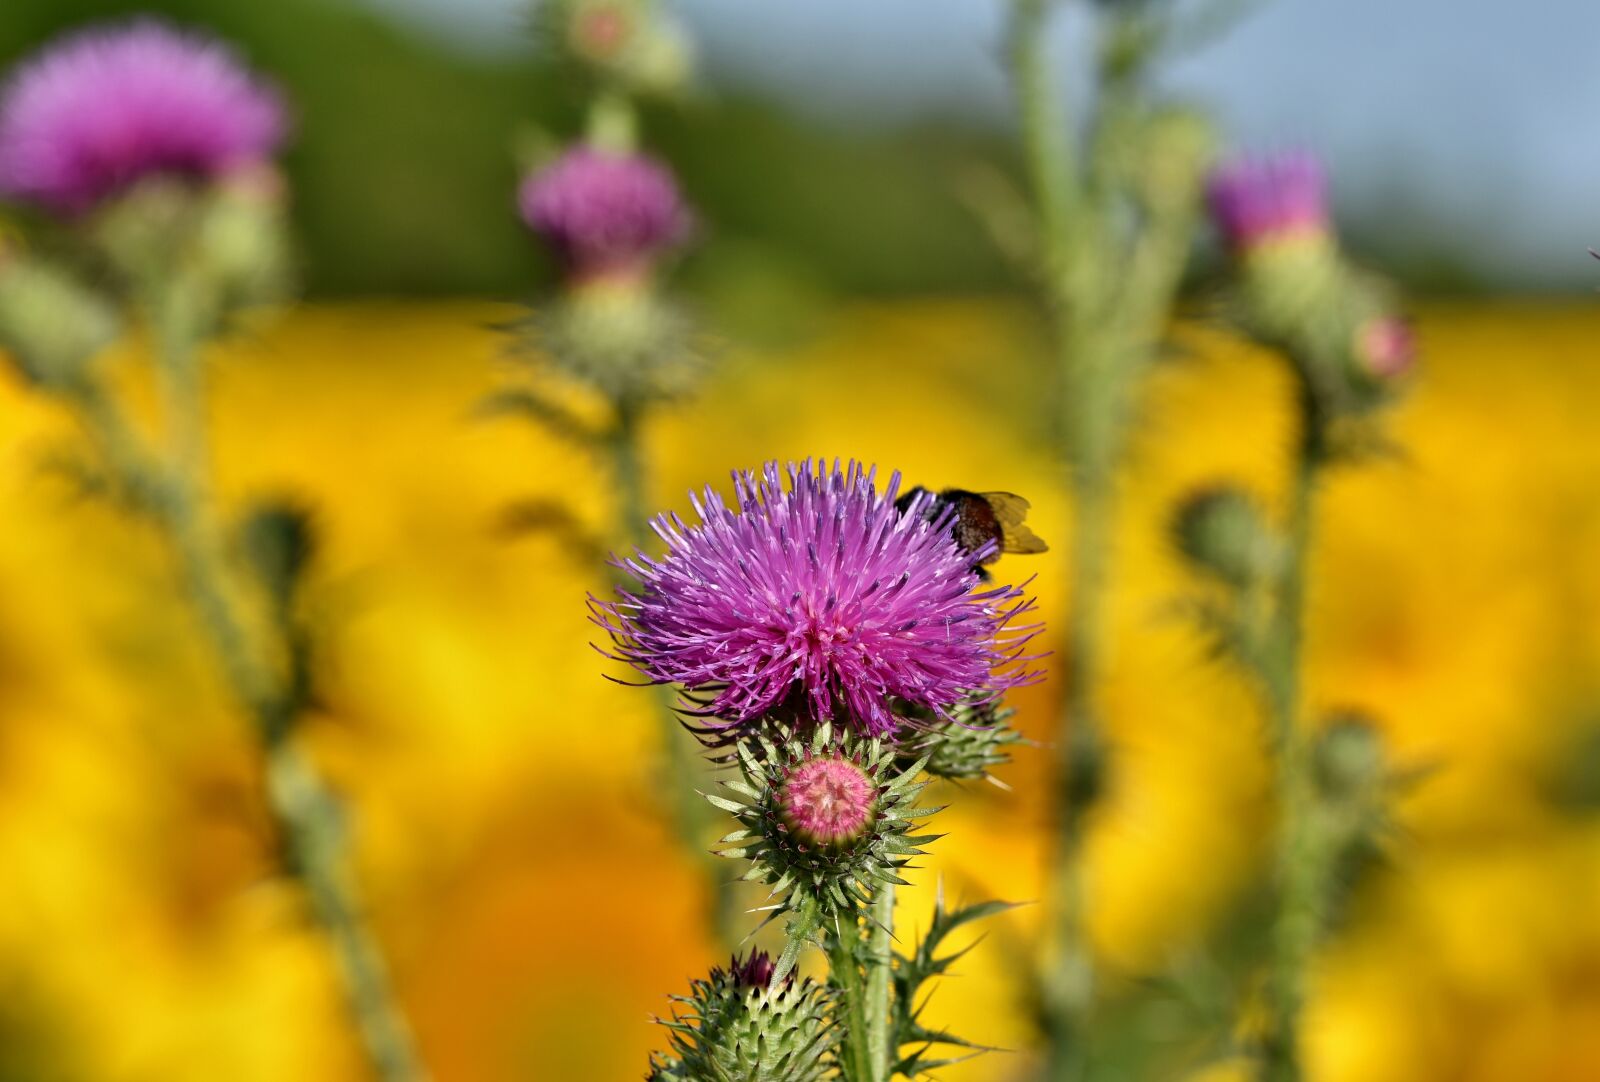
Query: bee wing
point(1009, 510)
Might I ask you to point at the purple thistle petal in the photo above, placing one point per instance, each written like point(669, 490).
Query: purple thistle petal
point(102, 109)
point(1256, 199)
point(821, 595)
point(604, 212)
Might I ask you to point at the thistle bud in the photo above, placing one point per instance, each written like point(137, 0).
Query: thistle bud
point(824, 819)
point(976, 738)
point(51, 324)
point(278, 542)
point(1348, 759)
point(624, 42)
point(1221, 531)
point(1177, 149)
point(224, 246)
point(630, 344)
point(1385, 348)
point(240, 246)
point(738, 1024)
point(827, 803)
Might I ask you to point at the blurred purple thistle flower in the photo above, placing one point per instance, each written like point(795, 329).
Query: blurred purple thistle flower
point(98, 111)
point(822, 598)
point(605, 213)
point(1259, 199)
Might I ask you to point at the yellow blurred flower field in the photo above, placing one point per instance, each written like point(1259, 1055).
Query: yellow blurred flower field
point(503, 792)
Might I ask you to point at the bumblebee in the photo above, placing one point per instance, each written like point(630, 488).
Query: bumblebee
point(980, 517)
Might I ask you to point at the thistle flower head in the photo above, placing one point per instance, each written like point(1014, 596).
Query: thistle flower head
point(823, 819)
point(737, 1026)
point(100, 110)
point(817, 596)
point(1260, 200)
point(606, 214)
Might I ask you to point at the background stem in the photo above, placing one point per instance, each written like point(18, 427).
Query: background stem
point(678, 768)
point(305, 810)
point(1301, 866)
point(1067, 984)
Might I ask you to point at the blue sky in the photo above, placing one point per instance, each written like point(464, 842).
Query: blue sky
point(1477, 119)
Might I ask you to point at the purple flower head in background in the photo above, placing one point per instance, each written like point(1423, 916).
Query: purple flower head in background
point(98, 111)
point(819, 597)
point(604, 212)
point(1259, 199)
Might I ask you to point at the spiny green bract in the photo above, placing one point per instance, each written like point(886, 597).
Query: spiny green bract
point(816, 882)
point(728, 1031)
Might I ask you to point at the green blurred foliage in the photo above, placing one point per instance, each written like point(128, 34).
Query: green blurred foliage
point(404, 170)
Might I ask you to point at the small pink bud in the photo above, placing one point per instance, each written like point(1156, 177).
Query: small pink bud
point(828, 802)
point(1386, 347)
point(600, 31)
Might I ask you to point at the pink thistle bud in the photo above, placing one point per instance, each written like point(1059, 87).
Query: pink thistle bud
point(1386, 347)
point(600, 31)
point(828, 802)
point(1257, 201)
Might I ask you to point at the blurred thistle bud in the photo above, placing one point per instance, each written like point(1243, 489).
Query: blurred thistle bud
point(241, 246)
point(1348, 758)
point(1221, 530)
point(1178, 147)
point(967, 745)
point(608, 216)
point(223, 247)
point(51, 324)
point(740, 1024)
point(1385, 348)
point(822, 819)
point(1297, 293)
point(100, 111)
point(279, 542)
point(633, 44)
point(630, 345)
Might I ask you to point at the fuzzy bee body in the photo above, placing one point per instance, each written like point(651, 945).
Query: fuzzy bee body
point(979, 518)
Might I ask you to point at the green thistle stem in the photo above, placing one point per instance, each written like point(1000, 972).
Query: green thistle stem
point(1302, 863)
point(305, 810)
point(624, 451)
point(1068, 982)
point(880, 962)
point(845, 964)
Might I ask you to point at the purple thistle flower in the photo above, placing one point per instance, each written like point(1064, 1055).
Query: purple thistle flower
point(102, 109)
point(821, 598)
point(1259, 199)
point(604, 213)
